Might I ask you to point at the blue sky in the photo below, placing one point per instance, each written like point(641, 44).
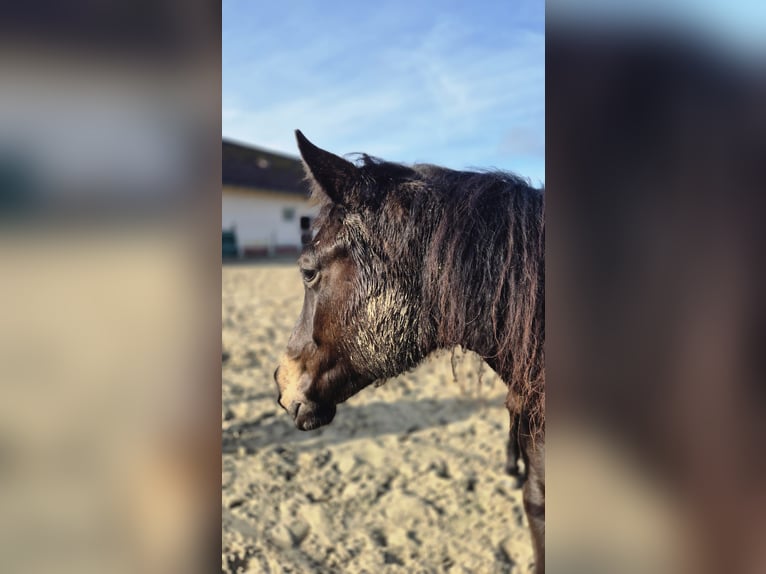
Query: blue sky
point(439, 82)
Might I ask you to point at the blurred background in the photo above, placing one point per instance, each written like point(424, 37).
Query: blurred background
point(109, 170)
point(656, 137)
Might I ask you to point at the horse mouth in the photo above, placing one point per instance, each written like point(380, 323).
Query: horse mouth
point(309, 416)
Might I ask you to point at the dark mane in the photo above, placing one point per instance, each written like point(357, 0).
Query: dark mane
point(477, 240)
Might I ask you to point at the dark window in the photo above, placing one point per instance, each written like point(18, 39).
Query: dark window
point(305, 223)
point(288, 213)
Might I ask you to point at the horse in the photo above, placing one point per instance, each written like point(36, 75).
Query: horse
point(513, 448)
point(406, 260)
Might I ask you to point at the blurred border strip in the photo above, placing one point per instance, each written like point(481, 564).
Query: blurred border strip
point(655, 176)
point(110, 160)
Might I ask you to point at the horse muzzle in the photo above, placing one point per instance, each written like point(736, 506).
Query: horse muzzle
point(308, 415)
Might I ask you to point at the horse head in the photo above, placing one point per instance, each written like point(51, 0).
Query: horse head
point(359, 321)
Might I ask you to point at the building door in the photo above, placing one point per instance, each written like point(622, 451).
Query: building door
point(306, 234)
point(229, 244)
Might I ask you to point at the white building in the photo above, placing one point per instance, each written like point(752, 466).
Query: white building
point(264, 203)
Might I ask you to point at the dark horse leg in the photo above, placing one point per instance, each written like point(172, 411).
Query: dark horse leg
point(512, 454)
point(533, 451)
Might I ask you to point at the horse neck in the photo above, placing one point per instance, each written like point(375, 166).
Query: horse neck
point(472, 296)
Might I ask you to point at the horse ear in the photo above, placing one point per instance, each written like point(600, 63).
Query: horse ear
point(334, 175)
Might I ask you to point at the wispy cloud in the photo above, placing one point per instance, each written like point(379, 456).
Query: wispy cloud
point(460, 89)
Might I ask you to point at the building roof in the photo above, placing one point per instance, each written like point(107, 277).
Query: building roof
point(246, 166)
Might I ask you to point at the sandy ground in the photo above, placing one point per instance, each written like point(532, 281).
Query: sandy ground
point(408, 477)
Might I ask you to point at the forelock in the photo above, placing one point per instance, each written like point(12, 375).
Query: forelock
point(356, 227)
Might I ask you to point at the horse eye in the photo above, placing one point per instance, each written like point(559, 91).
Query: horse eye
point(309, 275)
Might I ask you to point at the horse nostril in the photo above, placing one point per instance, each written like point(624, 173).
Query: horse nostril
point(294, 408)
point(279, 391)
